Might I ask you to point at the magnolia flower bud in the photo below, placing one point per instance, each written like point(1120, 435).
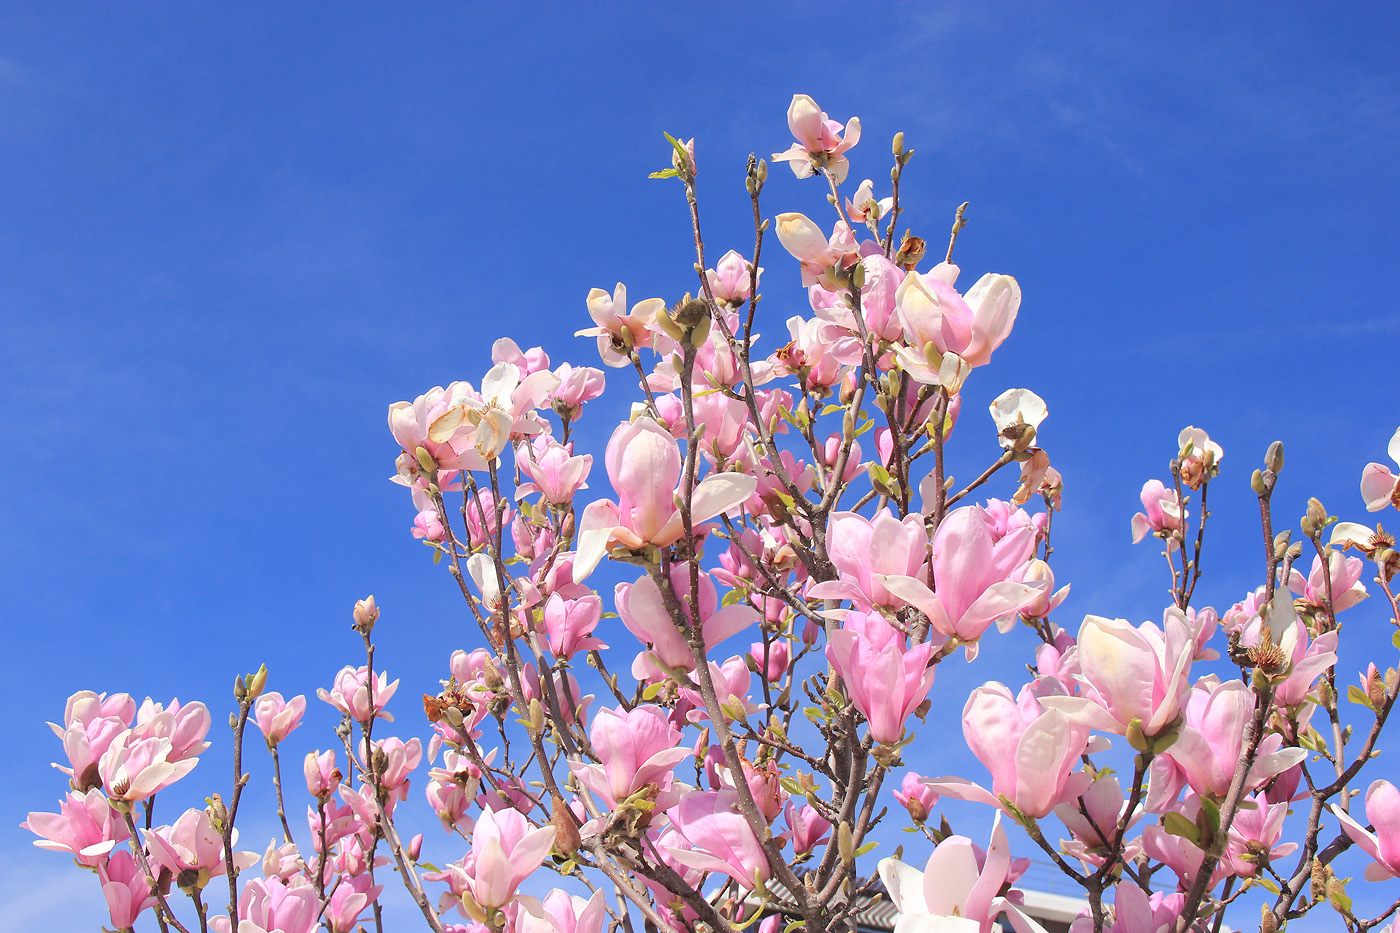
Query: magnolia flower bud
point(415, 847)
point(1273, 457)
point(366, 613)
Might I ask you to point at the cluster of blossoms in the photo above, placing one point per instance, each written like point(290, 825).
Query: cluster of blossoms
point(786, 515)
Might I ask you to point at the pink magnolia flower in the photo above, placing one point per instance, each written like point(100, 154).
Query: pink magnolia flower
point(1135, 911)
point(185, 725)
point(1310, 658)
point(731, 682)
point(957, 892)
point(85, 825)
point(916, 796)
point(276, 717)
point(125, 889)
point(1379, 486)
point(720, 837)
point(866, 552)
point(452, 789)
point(349, 899)
point(1254, 836)
point(531, 361)
point(322, 776)
point(817, 253)
point(806, 827)
point(644, 466)
point(618, 331)
point(1345, 583)
point(972, 575)
point(864, 208)
point(1383, 845)
point(731, 279)
point(192, 843)
point(554, 472)
point(577, 384)
point(135, 768)
point(636, 748)
point(436, 421)
point(885, 682)
point(1210, 742)
point(1094, 826)
point(1048, 599)
point(1030, 751)
point(569, 624)
point(505, 851)
point(351, 694)
point(1130, 674)
point(771, 659)
point(820, 143)
point(936, 318)
point(643, 610)
point(268, 904)
point(1179, 854)
point(1163, 515)
point(562, 913)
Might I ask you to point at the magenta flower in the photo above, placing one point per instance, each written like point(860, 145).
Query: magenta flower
point(1383, 845)
point(268, 904)
point(867, 551)
point(569, 624)
point(885, 682)
point(185, 725)
point(555, 473)
point(1030, 751)
point(562, 913)
point(1135, 911)
point(577, 384)
point(820, 140)
point(1163, 513)
point(135, 768)
point(1130, 674)
point(644, 466)
point(643, 611)
point(505, 851)
point(730, 279)
point(86, 826)
point(322, 776)
point(350, 694)
point(972, 575)
point(720, 837)
point(125, 888)
point(636, 748)
point(806, 827)
point(1379, 486)
point(617, 330)
point(192, 843)
point(916, 796)
point(938, 321)
point(349, 900)
point(276, 717)
point(1344, 576)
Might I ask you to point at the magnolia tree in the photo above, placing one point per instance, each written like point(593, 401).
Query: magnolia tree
point(793, 500)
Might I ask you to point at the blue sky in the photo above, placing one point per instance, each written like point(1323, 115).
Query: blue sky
point(231, 236)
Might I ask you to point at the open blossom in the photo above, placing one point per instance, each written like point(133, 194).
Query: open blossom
point(731, 279)
point(1162, 516)
point(530, 361)
point(322, 775)
point(720, 837)
point(938, 321)
point(1200, 457)
point(642, 609)
point(85, 826)
point(973, 578)
point(866, 551)
point(1130, 674)
point(561, 912)
point(1255, 834)
point(1379, 486)
point(637, 748)
point(644, 466)
point(885, 681)
point(192, 843)
point(351, 897)
point(505, 851)
point(821, 143)
point(1342, 580)
point(268, 904)
point(577, 384)
point(1030, 751)
point(569, 624)
point(436, 422)
point(957, 892)
point(351, 694)
point(554, 472)
point(135, 768)
point(1136, 911)
point(618, 331)
point(806, 827)
point(276, 717)
point(125, 889)
point(185, 725)
point(1383, 845)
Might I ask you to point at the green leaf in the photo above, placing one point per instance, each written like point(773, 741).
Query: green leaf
point(868, 847)
point(791, 786)
point(650, 691)
point(678, 146)
point(1267, 884)
point(1395, 639)
point(1356, 695)
point(1178, 825)
point(665, 173)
